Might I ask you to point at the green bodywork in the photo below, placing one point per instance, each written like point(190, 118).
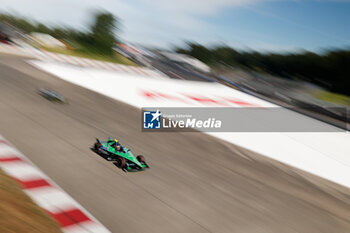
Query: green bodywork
point(127, 154)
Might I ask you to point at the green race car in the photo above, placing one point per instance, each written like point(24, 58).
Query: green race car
point(122, 156)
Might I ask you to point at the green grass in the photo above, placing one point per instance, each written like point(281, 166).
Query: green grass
point(333, 97)
point(115, 58)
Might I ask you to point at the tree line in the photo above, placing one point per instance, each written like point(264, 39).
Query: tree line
point(330, 69)
point(100, 37)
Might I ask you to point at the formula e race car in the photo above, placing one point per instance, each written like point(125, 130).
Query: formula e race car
point(52, 95)
point(122, 156)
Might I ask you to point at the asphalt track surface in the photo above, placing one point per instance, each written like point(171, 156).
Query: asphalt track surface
point(196, 183)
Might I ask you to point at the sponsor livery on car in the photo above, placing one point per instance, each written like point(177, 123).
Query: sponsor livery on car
point(123, 157)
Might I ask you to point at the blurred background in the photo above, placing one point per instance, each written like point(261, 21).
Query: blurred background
point(291, 53)
point(99, 62)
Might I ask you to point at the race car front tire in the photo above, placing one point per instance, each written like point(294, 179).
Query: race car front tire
point(121, 162)
point(140, 158)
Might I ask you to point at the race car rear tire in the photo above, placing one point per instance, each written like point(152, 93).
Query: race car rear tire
point(96, 146)
point(121, 162)
point(140, 158)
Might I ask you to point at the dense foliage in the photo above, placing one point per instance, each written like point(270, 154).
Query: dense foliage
point(99, 38)
point(330, 69)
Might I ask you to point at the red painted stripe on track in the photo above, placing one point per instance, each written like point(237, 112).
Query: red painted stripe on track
point(38, 183)
point(65, 59)
point(122, 68)
point(103, 66)
point(80, 62)
point(89, 62)
point(12, 158)
point(135, 70)
point(111, 66)
point(4, 142)
point(70, 217)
